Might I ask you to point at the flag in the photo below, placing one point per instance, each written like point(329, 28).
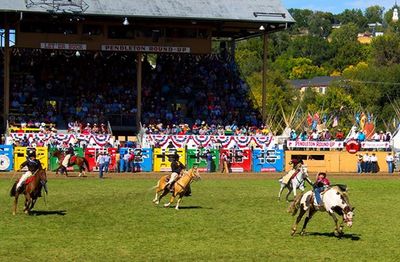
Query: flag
point(357, 117)
point(316, 117)
point(335, 121)
point(309, 119)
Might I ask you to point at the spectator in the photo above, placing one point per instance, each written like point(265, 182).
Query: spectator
point(389, 161)
point(100, 163)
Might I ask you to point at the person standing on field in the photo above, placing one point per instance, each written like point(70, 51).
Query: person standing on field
point(389, 161)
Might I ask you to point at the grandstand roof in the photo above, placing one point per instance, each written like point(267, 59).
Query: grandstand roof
point(271, 11)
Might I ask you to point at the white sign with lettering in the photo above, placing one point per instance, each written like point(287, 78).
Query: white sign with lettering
point(145, 48)
point(63, 46)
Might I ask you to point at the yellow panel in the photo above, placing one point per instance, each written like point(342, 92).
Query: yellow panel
point(333, 161)
point(20, 156)
point(161, 158)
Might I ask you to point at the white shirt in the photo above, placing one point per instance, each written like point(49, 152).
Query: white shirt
point(389, 158)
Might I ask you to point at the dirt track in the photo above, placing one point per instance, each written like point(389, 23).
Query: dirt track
point(156, 175)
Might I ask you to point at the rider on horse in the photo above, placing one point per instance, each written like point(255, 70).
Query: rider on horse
point(320, 185)
point(177, 169)
point(296, 164)
point(33, 166)
point(68, 154)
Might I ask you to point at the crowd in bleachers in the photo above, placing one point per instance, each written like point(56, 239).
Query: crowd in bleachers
point(202, 128)
point(52, 86)
point(326, 135)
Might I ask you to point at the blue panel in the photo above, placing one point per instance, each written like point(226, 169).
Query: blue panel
point(268, 160)
point(6, 157)
point(143, 159)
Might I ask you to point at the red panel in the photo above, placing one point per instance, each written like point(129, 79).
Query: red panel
point(240, 159)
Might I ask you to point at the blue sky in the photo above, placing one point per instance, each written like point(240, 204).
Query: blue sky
point(336, 6)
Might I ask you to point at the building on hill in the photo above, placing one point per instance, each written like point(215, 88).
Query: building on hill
point(319, 83)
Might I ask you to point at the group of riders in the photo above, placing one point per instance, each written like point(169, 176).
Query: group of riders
point(177, 168)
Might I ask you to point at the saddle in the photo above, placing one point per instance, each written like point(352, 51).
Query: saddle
point(72, 159)
point(29, 180)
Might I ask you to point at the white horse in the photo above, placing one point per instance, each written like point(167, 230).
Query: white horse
point(335, 200)
point(295, 183)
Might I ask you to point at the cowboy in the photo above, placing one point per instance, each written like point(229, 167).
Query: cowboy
point(33, 166)
point(176, 167)
point(296, 165)
point(68, 154)
point(320, 185)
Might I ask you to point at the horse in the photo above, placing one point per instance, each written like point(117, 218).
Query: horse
point(32, 190)
point(81, 162)
point(296, 182)
point(335, 200)
point(180, 187)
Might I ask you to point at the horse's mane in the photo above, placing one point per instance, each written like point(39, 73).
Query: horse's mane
point(342, 190)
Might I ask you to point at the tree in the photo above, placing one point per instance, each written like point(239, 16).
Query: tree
point(385, 50)
point(320, 24)
point(347, 49)
point(301, 17)
point(353, 16)
point(374, 14)
point(312, 47)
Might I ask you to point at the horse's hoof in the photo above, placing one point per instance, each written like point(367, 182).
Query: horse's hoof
point(293, 232)
point(166, 205)
point(302, 233)
point(14, 213)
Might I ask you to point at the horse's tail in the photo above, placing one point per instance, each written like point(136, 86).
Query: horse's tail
point(158, 184)
point(295, 205)
point(13, 190)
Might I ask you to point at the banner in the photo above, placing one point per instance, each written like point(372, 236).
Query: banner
point(6, 158)
point(142, 161)
point(270, 160)
point(195, 141)
point(314, 144)
point(92, 139)
point(198, 157)
point(239, 160)
point(375, 145)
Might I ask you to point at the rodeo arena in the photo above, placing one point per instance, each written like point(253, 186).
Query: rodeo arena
point(137, 89)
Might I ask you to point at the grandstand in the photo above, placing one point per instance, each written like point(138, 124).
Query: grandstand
point(122, 63)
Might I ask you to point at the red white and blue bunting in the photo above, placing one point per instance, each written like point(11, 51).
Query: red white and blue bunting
point(193, 141)
point(99, 140)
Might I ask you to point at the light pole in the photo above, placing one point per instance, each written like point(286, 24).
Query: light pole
point(264, 75)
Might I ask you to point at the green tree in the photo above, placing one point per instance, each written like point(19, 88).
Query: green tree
point(301, 16)
point(320, 24)
point(315, 48)
point(385, 50)
point(355, 16)
point(347, 49)
point(374, 14)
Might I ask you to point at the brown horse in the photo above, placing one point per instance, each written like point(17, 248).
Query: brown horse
point(180, 187)
point(32, 190)
point(81, 162)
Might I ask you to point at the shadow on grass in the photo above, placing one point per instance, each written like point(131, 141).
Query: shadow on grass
point(48, 213)
point(353, 237)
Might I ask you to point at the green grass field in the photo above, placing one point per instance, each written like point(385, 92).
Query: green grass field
point(225, 220)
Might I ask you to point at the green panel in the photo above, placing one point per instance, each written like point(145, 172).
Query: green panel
point(198, 157)
point(53, 161)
